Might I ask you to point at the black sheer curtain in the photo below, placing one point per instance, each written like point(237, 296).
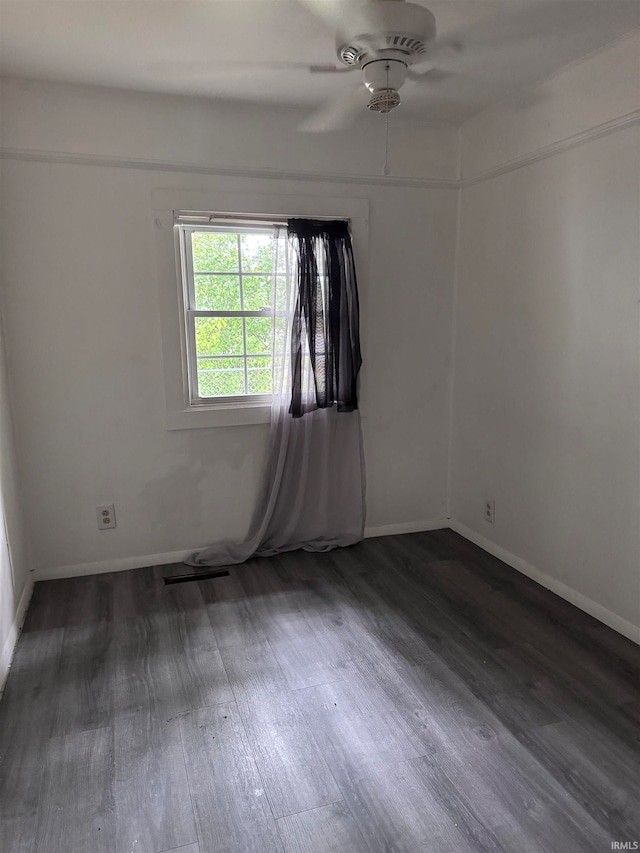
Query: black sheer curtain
point(325, 332)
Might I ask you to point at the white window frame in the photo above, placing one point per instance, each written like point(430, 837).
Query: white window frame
point(180, 413)
point(190, 312)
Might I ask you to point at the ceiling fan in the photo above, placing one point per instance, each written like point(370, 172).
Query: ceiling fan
point(388, 41)
point(385, 40)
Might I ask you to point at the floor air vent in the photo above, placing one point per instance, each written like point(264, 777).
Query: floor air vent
point(197, 576)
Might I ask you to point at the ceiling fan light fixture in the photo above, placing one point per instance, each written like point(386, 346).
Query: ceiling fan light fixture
point(384, 101)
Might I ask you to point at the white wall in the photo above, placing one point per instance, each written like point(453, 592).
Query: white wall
point(547, 360)
point(94, 122)
point(83, 324)
point(15, 579)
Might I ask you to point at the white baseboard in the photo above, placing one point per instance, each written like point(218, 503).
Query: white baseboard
point(14, 631)
point(622, 626)
point(405, 527)
point(121, 564)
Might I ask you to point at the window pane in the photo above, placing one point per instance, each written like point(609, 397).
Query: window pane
point(259, 330)
point(257, 292)
point(281, 246)
point(219, 336)
point(281, 291)
point(222, 343)
point(279, 335)
point(257, 252)
point(220, 377)
point(259, 375)
point(214, 252)
point(217, 292)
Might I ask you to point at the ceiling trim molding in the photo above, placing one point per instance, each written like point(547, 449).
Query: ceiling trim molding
point(558, 147)
point(73, 159)
point(573, 141)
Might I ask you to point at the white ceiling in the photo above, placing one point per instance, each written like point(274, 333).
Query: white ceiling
point(198, 47)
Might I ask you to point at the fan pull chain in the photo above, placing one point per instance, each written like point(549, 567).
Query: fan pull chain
point(385, 169)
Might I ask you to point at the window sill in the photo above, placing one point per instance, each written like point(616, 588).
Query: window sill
point(206, 417)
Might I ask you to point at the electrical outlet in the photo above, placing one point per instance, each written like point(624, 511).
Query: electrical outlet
point(106, 516)
point(489, 510)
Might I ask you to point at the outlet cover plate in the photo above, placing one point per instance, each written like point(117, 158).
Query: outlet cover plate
point(489, 510)
point(106, 515)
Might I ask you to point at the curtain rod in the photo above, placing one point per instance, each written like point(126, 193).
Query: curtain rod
point(198, 216)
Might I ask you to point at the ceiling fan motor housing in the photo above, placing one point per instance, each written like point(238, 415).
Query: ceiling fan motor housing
point(382, 74)
point(386, 29)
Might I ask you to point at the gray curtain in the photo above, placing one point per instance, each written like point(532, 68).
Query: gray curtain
point(313, 491)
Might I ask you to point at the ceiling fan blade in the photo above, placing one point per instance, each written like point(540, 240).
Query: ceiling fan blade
point(333, 13)
point(332, 69)
point(516, 24)
point(440, 50)
point(325, 12)
point(336, 112)
point(229, 67)
point(431, 74)
point(417, 72)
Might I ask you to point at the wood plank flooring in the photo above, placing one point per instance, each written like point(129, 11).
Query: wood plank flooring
point(411, 694)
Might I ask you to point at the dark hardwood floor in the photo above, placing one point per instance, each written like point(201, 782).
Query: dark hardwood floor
point(410, 694)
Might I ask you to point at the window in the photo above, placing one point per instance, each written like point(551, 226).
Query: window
point(177, 215)
point(228, 285)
